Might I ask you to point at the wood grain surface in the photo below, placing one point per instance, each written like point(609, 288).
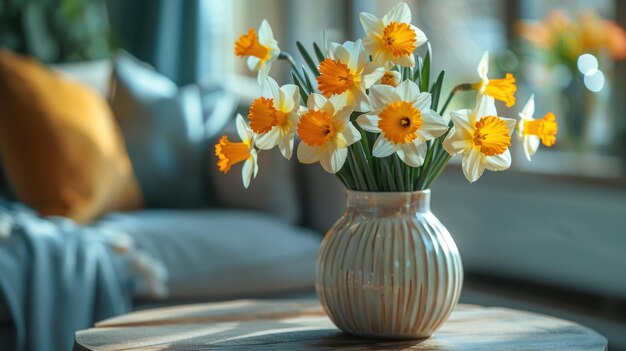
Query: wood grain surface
point(302, 325)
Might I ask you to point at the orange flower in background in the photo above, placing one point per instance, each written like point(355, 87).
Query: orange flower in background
point(571, 37)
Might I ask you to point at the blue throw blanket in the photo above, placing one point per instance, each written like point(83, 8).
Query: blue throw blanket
point(58, 277)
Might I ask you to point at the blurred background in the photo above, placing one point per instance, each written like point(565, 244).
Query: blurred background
point(546, 236)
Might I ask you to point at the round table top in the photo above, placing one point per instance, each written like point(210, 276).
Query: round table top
point(303, 325)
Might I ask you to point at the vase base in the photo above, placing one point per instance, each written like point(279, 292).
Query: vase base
point(397, 337)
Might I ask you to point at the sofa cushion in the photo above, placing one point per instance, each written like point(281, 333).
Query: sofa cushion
point(223, 254)
point(167, 130)
point(62, 152)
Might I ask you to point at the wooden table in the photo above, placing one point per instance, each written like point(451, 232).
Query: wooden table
point(302, 325)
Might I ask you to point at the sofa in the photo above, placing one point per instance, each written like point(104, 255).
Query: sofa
point(200, 235)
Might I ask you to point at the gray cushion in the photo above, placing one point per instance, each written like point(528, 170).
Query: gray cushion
point(223, 254)
point(167, 131)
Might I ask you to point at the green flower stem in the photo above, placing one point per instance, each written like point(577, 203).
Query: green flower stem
point(356, 172)
point(399, 173)
point(391, 185)
point(426, 166)
point(464, 86)
point(360, 152)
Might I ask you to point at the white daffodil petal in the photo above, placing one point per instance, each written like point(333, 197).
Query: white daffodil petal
point(462, 121)
point(342, 116)
point(486, 106)
point(498, 162)
point(472, 164)
point(423, 101)
point(529, 109)
point(351, 134)
point(383, 147)
point(332, 159)
point(455, 142)
point(406, 61)
point(289, 97)
point(264, 70)
point(371, 24)
point(407, 91)
point(412, 153)
point(368, 123)
point(531, 144)
point(381, 96)
point(247, 171)
point(265, 32)
point(433, 125)
point(399, 13)
point(242, 128)
point(510, 124)
point(483, 66)
point(316, 102)
point(270, 89)
point(371, 74)
point(338, 102)
point(285, 145)
point(361, 101)
point(307, 154)
point(268, 140)
point(341, 53)
point(420, 37)
point(253, 63)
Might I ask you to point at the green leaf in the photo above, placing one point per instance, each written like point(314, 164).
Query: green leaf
point(436, 91)
point(318, 53)
point(309, 85)
point(425, 80)
point(303, 93)
point(417, 72)
point(307, 58)
point(399, 173)
point(391, 184)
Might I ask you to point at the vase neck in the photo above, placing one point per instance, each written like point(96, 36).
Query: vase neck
point(388, 203)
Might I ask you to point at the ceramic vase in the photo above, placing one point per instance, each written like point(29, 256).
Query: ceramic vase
point(388, 268)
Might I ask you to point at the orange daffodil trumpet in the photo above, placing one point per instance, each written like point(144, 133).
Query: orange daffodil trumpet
point(392, 39)
point(500, 89)
point(403, 117)
point(481, 137)
point(347, 73)
point(274, 116)
point(534, 131)
point(370, 114)
point(229, 153)
point(326, 132)
point(260, 48)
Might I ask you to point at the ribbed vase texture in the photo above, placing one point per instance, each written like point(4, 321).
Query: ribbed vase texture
point(388, 268)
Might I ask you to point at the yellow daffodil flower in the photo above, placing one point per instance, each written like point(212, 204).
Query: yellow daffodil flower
point(533, 131)
point(347, 73)
point(392, 39)
point(403, 117)
point(500, 89)
point(274, 116)
point(326, 132)
point(262, 49)
point(229, 153)
point(391, 78)
point(482, 137)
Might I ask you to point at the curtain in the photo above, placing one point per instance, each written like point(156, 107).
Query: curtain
point(176, 37)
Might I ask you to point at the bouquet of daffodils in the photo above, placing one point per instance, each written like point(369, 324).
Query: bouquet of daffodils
point(369, 112)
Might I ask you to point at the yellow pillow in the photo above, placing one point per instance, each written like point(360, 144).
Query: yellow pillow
point(62, 152)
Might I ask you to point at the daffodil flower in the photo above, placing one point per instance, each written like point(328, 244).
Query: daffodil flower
point(391, 78)
point(274, 116)
point(347, 73)
point(262, 49)
point(403, 117)
point(500, 89)
point(392, 39)
point(326, 132)
point(533, 131)
point(229, 153)
point(482, 137)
